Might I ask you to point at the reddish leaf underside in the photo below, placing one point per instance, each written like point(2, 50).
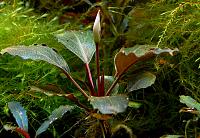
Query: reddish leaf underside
point(123, 62)
point(126, 57)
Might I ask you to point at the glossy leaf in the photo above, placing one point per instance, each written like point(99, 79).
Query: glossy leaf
point(141, 80)
point(19, 114)
point(38, 53)
point(126, 57)
point(56, 114)
point(110, 104)
point(80, 43)
point(190, 102)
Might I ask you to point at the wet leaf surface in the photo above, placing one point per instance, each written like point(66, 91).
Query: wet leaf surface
point(56, 114)
point(110, 104)
point(19, 114)
point(141, 80)
point(190, 102)
point(38, 52)
point(80, 43)
point(126, 57)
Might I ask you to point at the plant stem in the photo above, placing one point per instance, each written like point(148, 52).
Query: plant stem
point(98, 68)
point(66, 94)
point(89, 75)
point(22, 132)
point(118, 75)
point(113, 85)
point(102, 91)
point(76, 84)
point(78, 103)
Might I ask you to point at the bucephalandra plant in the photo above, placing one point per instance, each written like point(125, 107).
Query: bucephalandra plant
point(102, 96)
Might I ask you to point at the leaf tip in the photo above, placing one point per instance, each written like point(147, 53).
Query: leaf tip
point(97, 28)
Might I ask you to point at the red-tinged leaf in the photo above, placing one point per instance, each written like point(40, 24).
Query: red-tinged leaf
point(126, 57)
point(123, 62)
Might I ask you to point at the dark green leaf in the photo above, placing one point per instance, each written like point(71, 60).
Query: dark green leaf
point(110, 104)
point(56, 114)
point(80, 43)
point(19, 114)
point(38, 53)
point(141, 80)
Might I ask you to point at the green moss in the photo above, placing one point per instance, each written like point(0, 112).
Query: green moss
point(19, 25)
point(167, 24)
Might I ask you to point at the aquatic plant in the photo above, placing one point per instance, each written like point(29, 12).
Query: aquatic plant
point(102, 96)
